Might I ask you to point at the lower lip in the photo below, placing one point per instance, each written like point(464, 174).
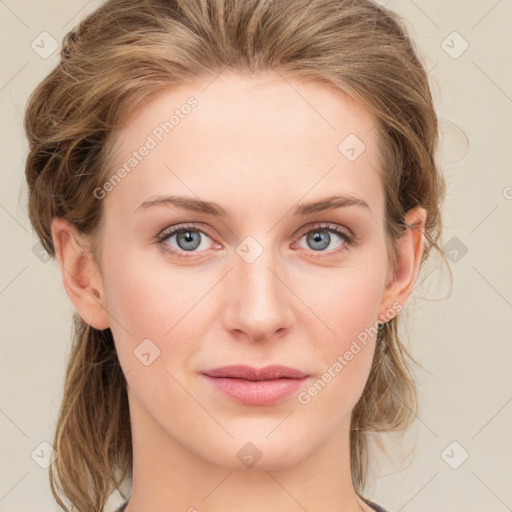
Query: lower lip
point(256, 392)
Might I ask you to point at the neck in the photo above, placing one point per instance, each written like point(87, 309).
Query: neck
point(170, 476)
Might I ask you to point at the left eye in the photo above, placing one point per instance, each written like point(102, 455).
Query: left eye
point(190, 239)
point(320, 238)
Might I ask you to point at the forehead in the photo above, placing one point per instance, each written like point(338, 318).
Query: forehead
point(264, 138)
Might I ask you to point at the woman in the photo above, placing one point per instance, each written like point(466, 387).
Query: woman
point(240, 195)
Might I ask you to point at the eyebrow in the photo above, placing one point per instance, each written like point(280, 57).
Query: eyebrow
point(215, 209)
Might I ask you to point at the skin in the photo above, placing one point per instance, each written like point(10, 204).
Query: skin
point(257, 146)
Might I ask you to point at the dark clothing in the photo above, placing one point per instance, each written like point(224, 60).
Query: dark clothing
point(374, 505)
point(122, 507)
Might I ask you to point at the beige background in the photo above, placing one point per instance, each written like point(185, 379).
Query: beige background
point(463, 341)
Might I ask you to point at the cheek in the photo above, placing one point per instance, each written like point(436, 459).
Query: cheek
point(147, 300)
point(348, 308)
point(346, 359)
point(154, 336)
point(146, 296)
point(344, 302)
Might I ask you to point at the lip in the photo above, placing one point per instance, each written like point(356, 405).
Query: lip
point(256, 386)
point(240, 371)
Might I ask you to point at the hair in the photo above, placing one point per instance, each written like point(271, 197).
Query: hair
point(116, 60)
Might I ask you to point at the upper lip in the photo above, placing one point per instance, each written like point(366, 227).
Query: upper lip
point(249, 373)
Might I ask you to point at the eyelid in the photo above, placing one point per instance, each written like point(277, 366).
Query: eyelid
point(172, 230)
point(327, 226)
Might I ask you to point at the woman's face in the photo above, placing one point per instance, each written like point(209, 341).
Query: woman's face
point(260, 279)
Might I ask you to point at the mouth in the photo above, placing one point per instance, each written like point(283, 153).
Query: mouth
point(253, 386)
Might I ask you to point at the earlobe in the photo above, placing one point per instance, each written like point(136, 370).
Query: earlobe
point(80, 274)
point(409, 253)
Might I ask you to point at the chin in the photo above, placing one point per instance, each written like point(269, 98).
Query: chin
point(257, 453)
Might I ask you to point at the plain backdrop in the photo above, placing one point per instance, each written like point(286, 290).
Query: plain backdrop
point(457, 455)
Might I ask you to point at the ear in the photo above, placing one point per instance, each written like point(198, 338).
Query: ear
point(80, 273)
point(401, 282)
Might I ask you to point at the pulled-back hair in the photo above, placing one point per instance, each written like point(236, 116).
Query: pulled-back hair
point(127, 51)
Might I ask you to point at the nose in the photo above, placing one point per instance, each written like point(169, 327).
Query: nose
point(258, 299)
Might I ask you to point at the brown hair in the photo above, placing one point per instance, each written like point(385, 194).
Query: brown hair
point(128, 50)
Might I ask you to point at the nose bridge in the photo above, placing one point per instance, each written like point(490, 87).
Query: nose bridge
point(259, 302)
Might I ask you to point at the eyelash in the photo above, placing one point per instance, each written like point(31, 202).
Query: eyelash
point(348, 238)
